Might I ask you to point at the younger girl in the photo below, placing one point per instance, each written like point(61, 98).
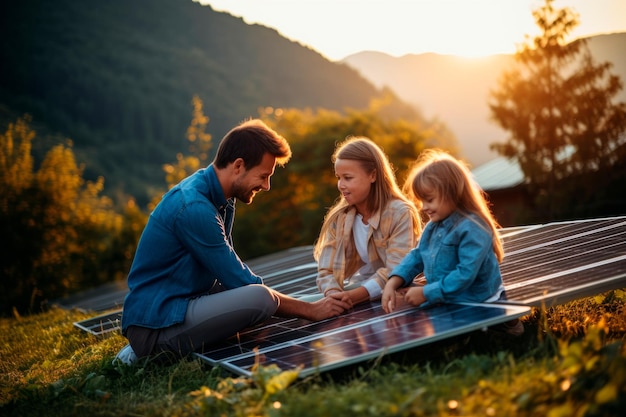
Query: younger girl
point(371, 227)
point(459, 251)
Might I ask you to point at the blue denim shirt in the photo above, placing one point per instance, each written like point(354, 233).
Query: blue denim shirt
point(458, 261)
point(185, 248)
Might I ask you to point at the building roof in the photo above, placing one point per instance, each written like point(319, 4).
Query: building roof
point(498, 174)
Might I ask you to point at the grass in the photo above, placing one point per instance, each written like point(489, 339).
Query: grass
point(570, 362)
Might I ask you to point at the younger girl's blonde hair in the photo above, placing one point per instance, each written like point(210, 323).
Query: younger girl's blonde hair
point(439, 172)
point(385, 188)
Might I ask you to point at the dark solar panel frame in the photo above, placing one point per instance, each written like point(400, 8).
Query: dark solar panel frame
point(102, 325)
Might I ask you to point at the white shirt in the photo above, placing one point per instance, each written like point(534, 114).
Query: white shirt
point(360, 231)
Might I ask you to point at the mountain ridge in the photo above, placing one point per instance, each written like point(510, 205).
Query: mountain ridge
point(434, 83)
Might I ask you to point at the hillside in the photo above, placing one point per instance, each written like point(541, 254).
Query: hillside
point(117, 77)
point(455, 89)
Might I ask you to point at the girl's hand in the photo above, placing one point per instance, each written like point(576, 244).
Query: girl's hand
point(415, 296)
point(388, 299)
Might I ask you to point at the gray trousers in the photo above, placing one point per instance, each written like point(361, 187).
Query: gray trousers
point(209, 319)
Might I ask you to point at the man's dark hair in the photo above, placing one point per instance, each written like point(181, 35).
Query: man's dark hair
point(250, 140)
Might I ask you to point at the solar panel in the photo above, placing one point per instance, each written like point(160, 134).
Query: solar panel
point(559, 262)
point(100, 299)
point(111, 295)
point(103, 324)
point(543, 265)
point(294, 257)
point(362, 334)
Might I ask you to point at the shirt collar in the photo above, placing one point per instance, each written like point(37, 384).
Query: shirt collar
point(451, 220)
point(215, 192)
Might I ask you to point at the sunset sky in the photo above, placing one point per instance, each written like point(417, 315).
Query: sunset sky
point(338, 28)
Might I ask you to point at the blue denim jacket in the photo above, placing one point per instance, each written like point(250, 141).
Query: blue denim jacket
point(185, 248)
point(458, 261)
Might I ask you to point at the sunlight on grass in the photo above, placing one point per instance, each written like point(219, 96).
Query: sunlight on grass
point(571, 361)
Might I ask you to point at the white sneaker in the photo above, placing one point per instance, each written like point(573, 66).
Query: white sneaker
point(126, 355)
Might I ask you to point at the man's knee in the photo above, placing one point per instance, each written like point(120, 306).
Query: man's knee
point(262, 299)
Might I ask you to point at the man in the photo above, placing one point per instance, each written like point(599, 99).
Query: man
point(188, 288)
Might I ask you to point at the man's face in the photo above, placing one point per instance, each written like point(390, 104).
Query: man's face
point(254, 180)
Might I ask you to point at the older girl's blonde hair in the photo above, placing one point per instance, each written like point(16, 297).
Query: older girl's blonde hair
point(439, 172)
point(372, 159)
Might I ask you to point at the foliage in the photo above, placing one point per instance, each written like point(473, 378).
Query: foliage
point(60, 234)
point(565, 130)
point(291, 214)
point(571, 362)
point(199, 147)
point(246, 396)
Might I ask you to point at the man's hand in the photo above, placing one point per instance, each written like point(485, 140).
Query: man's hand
point(332, 305)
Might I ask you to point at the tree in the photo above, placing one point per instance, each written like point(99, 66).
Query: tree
point(56, 227)
point(199, 146)
point(557, 104)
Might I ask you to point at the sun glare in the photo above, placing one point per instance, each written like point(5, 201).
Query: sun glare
point(338, 28)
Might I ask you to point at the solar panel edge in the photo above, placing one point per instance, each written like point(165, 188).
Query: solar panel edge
point(514, 311)
point(109, 317)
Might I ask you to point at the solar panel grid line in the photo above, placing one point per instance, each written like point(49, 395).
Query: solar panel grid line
point(603, 239)
point(285, 276)
point(571, 271)
point(289, 284)
point(590, 278)
point(287, 254)
point(550, 234)
point(510, 232)
point(305, 285)
point(538, 258)
point(560, 295)
point(535, 265)
point(545, 273)
point(551, 230)
point(554, 240)
point(272, 270)
point(578, 231)
point(268, 263)
point(304, 291)
point(281, 270)
point(592, 220)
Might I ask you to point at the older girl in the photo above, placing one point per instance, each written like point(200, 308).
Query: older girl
point(371, 227)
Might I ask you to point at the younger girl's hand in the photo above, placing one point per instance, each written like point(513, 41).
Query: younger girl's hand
point(388, 299)
point(415, 296)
